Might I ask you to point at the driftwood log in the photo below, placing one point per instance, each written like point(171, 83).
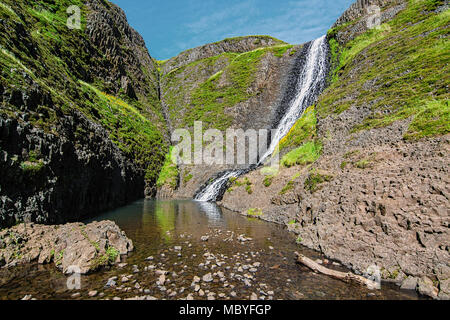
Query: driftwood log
point(343, 276)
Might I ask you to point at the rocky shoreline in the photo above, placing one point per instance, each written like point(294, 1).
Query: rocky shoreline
point(87, 247)
point(423, 285)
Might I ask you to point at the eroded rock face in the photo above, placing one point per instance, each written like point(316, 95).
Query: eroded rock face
point(70, 247)
point(128, 65)
point(393, 213)
point(362, 8)
point(386, 202)
point(59, 161)
point(389, 10)
point(73, 176)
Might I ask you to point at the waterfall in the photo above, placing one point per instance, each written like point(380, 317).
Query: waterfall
point(309, 84)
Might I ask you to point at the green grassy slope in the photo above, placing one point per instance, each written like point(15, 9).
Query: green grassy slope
point(400, 70)
point(38, 50)
point(186, 94)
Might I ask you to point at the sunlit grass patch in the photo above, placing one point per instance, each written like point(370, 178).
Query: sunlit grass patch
point(303, 130)
point(169, 173)
point(5, 8)
point(432, 120)
point(315, 180)
point(306, 154)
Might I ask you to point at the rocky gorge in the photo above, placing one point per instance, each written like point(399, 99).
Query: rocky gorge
point(86, 118)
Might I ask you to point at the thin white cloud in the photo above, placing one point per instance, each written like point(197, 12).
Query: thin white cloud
point(232, 13)
point(294, 22)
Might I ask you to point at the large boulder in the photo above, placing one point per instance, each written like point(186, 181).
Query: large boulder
point(72, 247)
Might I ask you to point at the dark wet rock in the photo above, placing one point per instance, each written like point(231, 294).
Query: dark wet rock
point(84, 172)
point(100, 176)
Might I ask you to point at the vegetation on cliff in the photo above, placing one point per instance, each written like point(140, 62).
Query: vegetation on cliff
point(190, 97)
point(169, 174)
point(303, 130)
point(41, 56)
point(306, 154)
point(401, 74)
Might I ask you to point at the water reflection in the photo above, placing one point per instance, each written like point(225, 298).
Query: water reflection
point(212, 210)
point(147, 219)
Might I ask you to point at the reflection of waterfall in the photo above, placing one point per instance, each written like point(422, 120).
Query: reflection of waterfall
point(212, 210)
point(309, 84)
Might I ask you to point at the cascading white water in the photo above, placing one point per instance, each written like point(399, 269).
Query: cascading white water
point(211, 192)
point(308, 89)
point(310, 84)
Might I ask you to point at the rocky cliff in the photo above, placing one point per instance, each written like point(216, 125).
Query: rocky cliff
point(235, 83)
point(364, 176)
point(82, 128)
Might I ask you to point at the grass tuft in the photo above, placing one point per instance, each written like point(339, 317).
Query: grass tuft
point(315, 181)
point(306, 154)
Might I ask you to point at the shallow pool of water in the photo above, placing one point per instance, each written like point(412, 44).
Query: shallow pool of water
point(263, 267)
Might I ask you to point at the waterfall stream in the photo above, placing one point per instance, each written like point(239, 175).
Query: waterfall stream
point(311, 82)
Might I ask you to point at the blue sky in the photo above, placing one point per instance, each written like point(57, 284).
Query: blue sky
point(172, 26)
